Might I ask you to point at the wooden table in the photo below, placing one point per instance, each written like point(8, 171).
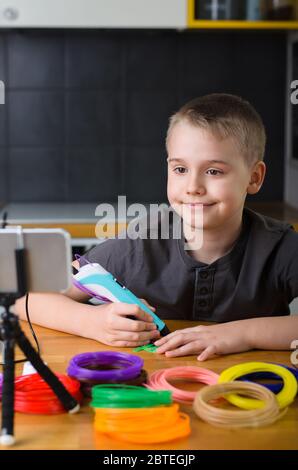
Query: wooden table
point(76, 431)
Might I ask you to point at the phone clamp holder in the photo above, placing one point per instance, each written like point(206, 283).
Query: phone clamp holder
point(12, 334)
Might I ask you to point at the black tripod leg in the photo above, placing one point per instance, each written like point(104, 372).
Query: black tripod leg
point(7, 437)
point(69, 403)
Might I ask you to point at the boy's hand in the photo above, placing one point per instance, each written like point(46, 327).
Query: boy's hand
point(118, 330)
point(206, 341)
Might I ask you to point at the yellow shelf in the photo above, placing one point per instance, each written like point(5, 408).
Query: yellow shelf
point(242, 24)
point(83, 230)
point(234, 24)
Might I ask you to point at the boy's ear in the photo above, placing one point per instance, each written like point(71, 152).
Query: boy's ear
point(256, 178)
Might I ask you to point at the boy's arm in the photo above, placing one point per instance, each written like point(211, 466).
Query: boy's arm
point(59, 312)
point(231, 337)
point(105, 323)
point(272, 332)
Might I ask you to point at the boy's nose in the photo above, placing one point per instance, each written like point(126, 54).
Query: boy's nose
point(195, 184)
point(195, 188)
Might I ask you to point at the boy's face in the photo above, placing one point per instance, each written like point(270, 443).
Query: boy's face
point(209, 174)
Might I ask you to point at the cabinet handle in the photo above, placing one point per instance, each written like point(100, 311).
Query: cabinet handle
point(11, 13)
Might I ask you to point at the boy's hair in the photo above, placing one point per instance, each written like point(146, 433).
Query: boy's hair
point(226, 116)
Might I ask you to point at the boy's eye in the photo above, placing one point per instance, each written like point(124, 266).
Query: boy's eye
point(180, 170)
point(214, 172)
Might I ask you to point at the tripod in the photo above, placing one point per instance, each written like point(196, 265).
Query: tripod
point(12, 334)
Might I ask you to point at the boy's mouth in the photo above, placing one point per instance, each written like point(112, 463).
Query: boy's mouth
point(199, 204)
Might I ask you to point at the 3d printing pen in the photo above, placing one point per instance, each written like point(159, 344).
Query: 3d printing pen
point(93, 279)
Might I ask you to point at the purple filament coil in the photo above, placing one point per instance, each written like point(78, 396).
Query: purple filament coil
point(93, 366)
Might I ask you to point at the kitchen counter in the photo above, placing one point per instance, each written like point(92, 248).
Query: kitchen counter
point(78, 219)
point(277, 210)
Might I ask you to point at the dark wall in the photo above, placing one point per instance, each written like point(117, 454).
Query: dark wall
point(86, 111)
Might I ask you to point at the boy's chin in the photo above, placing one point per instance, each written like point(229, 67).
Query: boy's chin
point(204, 225)
point(193, 225)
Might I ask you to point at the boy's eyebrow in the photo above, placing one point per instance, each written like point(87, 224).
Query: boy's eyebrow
point(180, 160)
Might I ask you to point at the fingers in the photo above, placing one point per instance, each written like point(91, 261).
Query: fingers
point(183, 345)
point(122, 328)
point(124, 309)
point(126, 332)
point(165, 339)
point(144, 337)
point(129, 344)
point(148, 305)
point(185, 350)
point(209, 352)
point(175, 341)
point(127, 324)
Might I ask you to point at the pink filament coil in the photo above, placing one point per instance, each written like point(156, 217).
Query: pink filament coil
point(159, 381)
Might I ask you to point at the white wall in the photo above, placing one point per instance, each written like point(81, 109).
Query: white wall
point(93, 13)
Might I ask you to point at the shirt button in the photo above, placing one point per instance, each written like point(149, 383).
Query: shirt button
point(203, 274)
point(202, 303)
point(203, 290)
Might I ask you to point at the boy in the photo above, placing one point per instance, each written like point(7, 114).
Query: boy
point(243, 276)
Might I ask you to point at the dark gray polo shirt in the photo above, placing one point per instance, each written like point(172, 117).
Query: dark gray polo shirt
point(257, 278)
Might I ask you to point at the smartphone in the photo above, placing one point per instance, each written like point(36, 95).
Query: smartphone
point(47, 259)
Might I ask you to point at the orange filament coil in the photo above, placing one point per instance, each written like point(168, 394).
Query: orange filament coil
point(237, 418)
point(143, 425)
point(159, 381)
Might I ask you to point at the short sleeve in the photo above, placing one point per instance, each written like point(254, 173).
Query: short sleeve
point(287, 265)
point(121, 257)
